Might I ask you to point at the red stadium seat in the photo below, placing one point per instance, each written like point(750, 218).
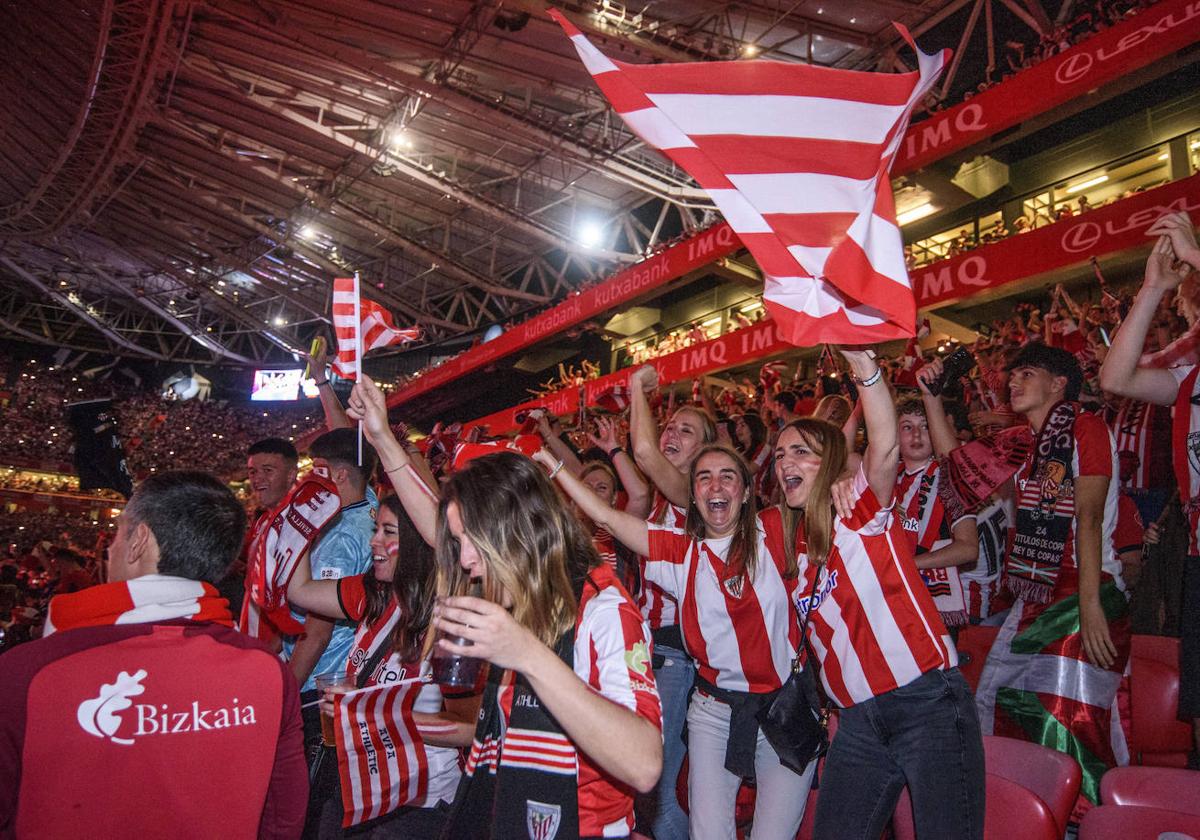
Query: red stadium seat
point(1129, 823)
point(1014, 811)
point(1051, 777)
point(1054, 776)
point(973, 644)
point(1156, 737)
point(1167, 788)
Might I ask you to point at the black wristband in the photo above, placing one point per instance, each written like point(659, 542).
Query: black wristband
point(322, 382)
point(612, 453)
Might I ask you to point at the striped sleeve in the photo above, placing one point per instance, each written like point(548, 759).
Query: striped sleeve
point(352, 597)
point(612, 643)
point(869, 518)
point(665, 565)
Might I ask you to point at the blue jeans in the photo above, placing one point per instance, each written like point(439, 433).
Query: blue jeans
point(661, 807)
point(924, 735)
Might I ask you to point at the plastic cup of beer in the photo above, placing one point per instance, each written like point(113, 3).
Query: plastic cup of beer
point(451, 669)
point(333, 682)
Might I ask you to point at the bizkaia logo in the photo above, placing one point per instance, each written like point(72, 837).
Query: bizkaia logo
point(103, 715)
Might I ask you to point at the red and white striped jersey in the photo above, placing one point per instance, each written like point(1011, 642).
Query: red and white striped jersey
point(1143, 443)
point(876, 627)
point(612, 655)
point(1186, 437)
point(1093, 453)
point(657, 605)
point(742, 633)
point(925, 522)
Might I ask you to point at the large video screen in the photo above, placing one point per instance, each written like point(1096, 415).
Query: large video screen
point(275, 385)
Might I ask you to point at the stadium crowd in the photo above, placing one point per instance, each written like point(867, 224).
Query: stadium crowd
point(663, 566)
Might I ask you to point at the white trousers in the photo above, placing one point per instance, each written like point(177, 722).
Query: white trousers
point(712, 790)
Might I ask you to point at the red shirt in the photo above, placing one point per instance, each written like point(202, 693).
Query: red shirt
point(201, 736)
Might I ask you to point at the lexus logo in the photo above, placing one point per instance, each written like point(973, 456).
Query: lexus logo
point(1074, 68)
point(1081, 237)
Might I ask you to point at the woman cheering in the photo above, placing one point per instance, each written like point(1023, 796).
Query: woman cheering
point(908, 717)
point(727, 571)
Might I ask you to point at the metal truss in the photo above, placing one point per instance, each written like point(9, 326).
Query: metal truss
point(238, 154)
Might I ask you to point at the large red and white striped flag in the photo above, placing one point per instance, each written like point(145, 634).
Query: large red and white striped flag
point(375, 323)
point(796, 158)
point(381, 757)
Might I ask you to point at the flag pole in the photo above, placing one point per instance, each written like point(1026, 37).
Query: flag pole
point(358, 351)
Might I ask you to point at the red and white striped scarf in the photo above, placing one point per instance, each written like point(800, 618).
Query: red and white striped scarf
point(381, 757)
point(926, 523)
point(141, 600)
point(294, 526)
point(796, 158)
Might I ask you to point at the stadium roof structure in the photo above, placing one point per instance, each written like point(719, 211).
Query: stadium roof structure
point(182, 180)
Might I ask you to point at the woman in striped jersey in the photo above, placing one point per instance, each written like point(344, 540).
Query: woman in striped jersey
point(391, 603)
point(726, 569)
point(665, 459)
point(907, 715)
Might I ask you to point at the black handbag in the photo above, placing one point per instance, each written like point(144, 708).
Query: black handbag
point(795, 721)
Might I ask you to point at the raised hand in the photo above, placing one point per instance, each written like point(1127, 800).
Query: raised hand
point(644, 378)
point(1178, 228)
point(318, 359)
point(931, 372)
point(606, 436)
point(369, 406)
point(1163, 270)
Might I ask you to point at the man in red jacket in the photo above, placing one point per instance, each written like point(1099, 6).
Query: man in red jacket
point(142, 712)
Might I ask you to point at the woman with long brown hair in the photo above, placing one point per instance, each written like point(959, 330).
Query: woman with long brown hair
point(665, 458)
point(908, 717)
point(392, 604)
point(727, 570)
point(569, 726)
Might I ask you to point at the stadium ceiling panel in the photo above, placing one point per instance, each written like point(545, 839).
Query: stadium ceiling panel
point(181, 180)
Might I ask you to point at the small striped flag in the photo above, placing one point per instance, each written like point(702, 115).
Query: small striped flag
point(796, 158)
point(381, 757)
point(376, 325)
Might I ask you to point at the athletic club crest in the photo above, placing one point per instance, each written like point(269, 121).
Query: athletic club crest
point(542, 820)
point(734, 585)
point(1193, 451)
